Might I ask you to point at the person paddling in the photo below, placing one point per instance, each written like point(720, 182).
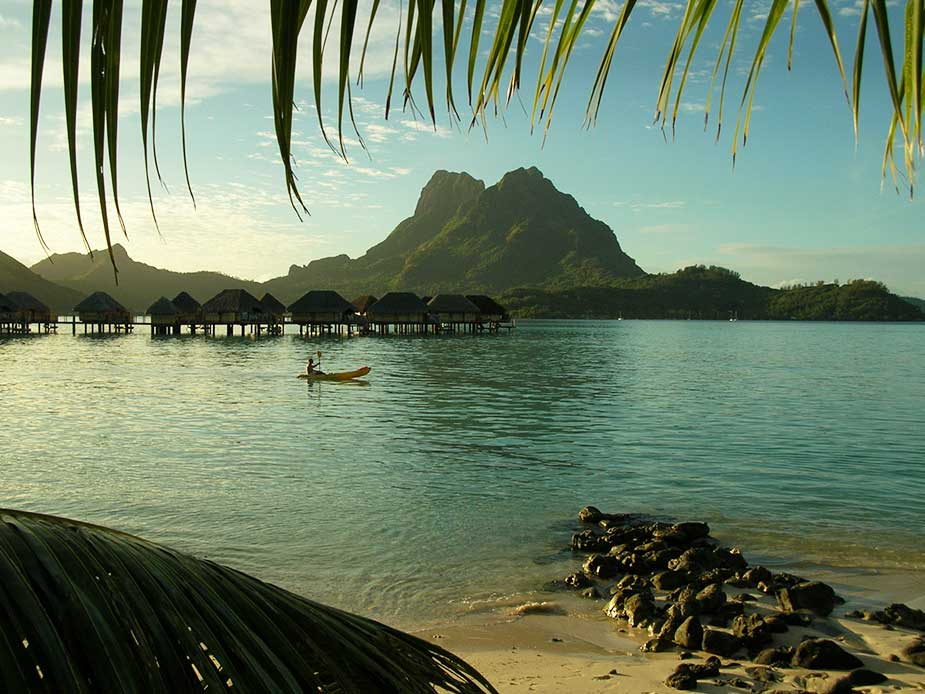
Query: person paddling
point(311, 369)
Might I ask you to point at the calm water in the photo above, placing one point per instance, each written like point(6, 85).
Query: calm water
point(451, 479)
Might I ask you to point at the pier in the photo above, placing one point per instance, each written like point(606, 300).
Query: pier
point(238, 312)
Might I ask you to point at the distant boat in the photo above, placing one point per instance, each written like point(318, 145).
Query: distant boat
point(621, 316)
point(734, 317)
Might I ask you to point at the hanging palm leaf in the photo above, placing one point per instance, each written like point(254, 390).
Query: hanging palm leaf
point(89, 609)
point(504, 61)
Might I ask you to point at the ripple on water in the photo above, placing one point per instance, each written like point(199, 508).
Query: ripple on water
point(449, 480)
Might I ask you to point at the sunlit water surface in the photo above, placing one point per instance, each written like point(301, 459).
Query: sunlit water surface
point(450, 479)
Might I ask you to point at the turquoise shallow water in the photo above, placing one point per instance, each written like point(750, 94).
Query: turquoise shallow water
point(450, 480)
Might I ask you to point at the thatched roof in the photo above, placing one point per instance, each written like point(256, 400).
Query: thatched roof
point(185, 303)
point(322, 301)
point(451, 303)
point(398, 302)
point(233, 301)
point(26, 302)
point(363, 302)
point(272, 305)
point(100, 302)
point(486, 304)
point(7, 305)
point(162, 307)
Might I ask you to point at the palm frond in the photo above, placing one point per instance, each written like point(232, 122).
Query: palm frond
point(512, 22)
point(85, 608)
point(41, 16)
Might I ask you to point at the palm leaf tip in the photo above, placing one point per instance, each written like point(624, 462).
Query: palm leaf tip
point(85, 604)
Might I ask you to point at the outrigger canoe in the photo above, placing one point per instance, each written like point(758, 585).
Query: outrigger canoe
point(340, 376)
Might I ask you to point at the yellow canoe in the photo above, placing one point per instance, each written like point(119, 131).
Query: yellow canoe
point(340, 376)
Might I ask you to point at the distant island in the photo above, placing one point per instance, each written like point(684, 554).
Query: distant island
point(521, 240)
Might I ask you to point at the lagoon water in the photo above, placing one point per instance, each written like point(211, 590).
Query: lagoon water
point(450, 480)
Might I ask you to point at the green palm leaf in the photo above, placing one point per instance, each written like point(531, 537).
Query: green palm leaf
point(71, 13)
point(89, 609)
point(41, 15)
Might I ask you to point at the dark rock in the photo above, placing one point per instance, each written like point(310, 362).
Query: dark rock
point(775, 656)
point(637, 584)
point(635, 564)
point(822, 654)
point(865, 677)
point(689, 634)
point(893, 658)
point(668, 580)
point(685, 655)
point(711, 598)
point(614, 608)
point(743, 597)
point(752, 630)
point(733, 682)
point(797, 619)
point(692, 530)
point(901, 615)
point(670, 625)
point(662, 558)
point(915, 652)
point(812, 595)
point(720, 643)
point(577, 580)
point(638, 608)
point(708, 668)
point(763, 674)
point(589, 541)
point(590, 514)
point(730, 559)
point(855, 614)
point(657, 645)
point(602, 566)
point(712, 576)
point(776, 624)
point(591, 593)
point(682, 678)
point(726, 613)
point(755, 575)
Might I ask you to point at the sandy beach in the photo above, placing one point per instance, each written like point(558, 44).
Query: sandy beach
point(564, 643)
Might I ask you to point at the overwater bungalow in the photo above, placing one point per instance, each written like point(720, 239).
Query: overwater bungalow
point(275, 312)
point(25, 310)
point(400, 312)
point(30, 309)
point(493, 316)
point(164, 317)
point(232, 307)
point(323, 311)
point(8, 315)
point(363, 302)
point(454, 312)
point(102, 313)
point(189, 311)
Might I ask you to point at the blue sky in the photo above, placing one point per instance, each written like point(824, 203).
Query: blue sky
point(803, 203)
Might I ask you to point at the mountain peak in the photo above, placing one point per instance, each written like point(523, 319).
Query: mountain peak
point(447, 189)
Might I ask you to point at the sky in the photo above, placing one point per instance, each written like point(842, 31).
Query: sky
point(804, 201)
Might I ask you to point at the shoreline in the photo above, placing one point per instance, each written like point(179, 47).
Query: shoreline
point(562, 642)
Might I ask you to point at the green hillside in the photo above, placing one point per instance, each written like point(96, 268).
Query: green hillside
point(713, 293)
point(465, 237)
point(16, 277)
point(140, 285)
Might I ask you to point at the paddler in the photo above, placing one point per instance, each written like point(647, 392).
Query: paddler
point(311, 369)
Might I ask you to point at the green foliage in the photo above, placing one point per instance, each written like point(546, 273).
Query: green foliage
point(855, 300)
point(714, 293)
